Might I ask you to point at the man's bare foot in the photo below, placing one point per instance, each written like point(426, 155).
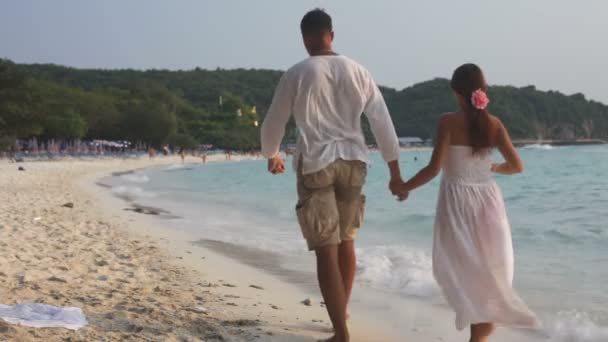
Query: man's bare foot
point(336, 339)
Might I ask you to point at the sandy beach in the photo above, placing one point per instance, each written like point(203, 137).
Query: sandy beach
point(66, 241)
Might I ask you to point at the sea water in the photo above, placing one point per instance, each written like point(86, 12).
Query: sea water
point(558, 209)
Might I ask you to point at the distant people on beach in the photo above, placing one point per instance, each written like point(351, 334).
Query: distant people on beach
point(11, 153)
point(182, 154)
point(472, 250)
point(35, 149)
point(326, 94)
point(151, 153)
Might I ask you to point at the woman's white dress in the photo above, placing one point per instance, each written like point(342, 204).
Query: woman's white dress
point(473, 251)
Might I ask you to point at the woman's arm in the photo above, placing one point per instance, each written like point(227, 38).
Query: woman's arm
point(434, 167)
point(513, 163)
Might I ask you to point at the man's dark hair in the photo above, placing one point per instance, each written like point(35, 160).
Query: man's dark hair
point(316, 21)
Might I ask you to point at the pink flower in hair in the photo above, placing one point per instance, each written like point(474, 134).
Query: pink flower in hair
point(480, 99)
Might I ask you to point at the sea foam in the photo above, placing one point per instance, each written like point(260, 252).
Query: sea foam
point(131, 192)
point(136, 177)
point(575, 326)
point(540, 147)
point(397, 268)
point(175, 167)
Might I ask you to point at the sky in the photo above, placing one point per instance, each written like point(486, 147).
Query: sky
point(552, 44)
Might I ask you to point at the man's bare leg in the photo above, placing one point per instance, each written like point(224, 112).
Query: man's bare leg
point(348, 267)
point(332, 289)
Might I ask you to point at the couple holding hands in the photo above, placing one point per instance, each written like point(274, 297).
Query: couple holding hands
point(326, 94)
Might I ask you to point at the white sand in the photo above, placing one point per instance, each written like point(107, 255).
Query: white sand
point(133, 279)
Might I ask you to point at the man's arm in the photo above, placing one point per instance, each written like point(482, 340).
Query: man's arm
point(382, 127)
point(395, 185)
point(273, 128)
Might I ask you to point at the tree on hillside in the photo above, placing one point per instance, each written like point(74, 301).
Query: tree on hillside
point(65, 125)
point(181, 140)
point(17, 119)
point(148, 121)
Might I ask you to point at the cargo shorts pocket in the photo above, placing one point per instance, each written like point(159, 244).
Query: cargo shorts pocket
point(360, 214)
point(318, 180)
point(318, 218)
point(358, 174)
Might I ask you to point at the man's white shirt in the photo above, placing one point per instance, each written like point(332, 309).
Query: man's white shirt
point(326, 96)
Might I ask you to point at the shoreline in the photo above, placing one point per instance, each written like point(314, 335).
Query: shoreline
point(377, 315)
point(135, 278)
point(247, 291)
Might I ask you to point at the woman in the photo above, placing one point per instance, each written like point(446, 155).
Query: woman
point(473, 252)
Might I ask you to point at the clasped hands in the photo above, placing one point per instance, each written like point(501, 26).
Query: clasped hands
point(398, 188)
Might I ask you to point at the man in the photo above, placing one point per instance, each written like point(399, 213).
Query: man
point(326, 94)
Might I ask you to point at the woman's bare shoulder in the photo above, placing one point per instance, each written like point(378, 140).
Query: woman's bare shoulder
point(496, 122)
point(497, 129)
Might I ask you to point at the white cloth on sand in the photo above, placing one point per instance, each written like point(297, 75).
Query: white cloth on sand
point(472, 248)
point(43, 316)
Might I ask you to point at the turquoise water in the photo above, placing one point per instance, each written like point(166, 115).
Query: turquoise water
point(558, 209)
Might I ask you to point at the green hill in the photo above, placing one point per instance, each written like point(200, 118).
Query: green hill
point(183, 107)
point(527, 112)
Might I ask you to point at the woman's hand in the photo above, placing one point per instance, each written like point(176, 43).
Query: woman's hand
point(398, 188)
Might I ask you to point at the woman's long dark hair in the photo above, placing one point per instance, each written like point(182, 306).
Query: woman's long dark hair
point(467, 79)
